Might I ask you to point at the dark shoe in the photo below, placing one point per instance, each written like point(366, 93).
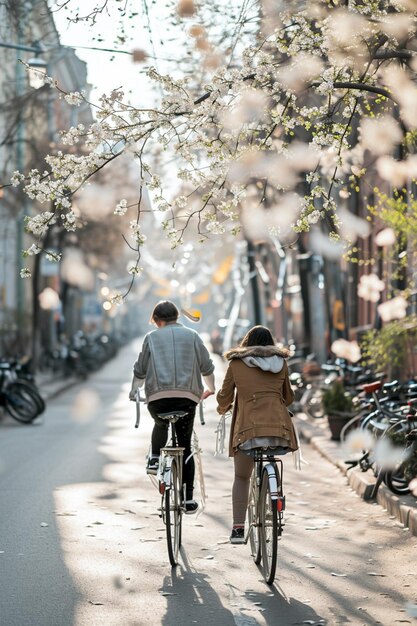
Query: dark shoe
point(191, 506)
point(152, 465)
point(238, 535)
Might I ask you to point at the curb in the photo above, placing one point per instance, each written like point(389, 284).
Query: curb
point(53, 389)
point(403, 508)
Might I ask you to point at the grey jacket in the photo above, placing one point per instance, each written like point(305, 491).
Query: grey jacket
point(172, 360)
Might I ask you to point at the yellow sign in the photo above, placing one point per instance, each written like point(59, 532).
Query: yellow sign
point(338, 315)
point(223, 271)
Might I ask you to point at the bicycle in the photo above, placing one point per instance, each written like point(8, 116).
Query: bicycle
point(169, 481)
point(403, 433)
point(265, 511)
point(19, 398)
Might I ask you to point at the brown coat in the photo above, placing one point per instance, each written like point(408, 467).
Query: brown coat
point(262, 397)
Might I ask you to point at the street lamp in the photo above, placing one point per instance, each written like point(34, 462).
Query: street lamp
point(36, 72)
point(36, 65)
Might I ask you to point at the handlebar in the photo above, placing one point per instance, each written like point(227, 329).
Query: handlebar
point(201, 411)
point(138, 400)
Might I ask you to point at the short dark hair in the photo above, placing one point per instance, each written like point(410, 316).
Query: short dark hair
point(257, 336)
point(165, 311)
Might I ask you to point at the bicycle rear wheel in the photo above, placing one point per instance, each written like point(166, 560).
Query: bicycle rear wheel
point(268, 530)
point(396, 481)
point(32, 391)
point(173, 515)
point(255, 544)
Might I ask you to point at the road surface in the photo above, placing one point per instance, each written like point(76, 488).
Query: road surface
point(81, 543)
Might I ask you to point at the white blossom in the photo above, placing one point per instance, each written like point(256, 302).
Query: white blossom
point(370, 287)
point(121, 208)
point(134, 269)
point(74, 98)
point(117, 298)
point(380, 135)
point(348, 350)
point(385, 238)
point(357, 441)
point(233, 136)
point(33, 250)
point(16, 178)
point(138, 237)
point(393, 309)
point(387, 455)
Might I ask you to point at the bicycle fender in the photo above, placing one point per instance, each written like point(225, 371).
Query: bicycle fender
point(272, 478)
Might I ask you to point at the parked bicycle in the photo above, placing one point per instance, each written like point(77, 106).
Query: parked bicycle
point(401, 433)
point(19, 396)
point(389, 414)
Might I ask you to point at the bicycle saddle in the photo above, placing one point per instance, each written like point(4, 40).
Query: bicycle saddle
point(172, 416)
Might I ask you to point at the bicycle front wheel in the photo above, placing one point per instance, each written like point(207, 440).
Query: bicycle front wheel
point(268, 530)
point(255, 544)
point(20, 404)
point(173, 515)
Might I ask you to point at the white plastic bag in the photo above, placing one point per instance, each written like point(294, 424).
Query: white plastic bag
point(221, 434)
point(297, 456)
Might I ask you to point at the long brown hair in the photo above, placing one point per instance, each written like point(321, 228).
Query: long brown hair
point(257, 336)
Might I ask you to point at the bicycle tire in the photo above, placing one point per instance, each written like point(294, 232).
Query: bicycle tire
point(396, 479)
point(313, 406)
point(255, 544)
point(396, 482)
point(33, 392)
point(350, 426)
point(19, 404)
point(268, 518)
point(173, 515)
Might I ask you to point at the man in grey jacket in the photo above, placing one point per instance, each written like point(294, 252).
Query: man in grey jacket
point(171, 364)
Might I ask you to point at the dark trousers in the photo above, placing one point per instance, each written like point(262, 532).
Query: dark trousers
point(183, 429)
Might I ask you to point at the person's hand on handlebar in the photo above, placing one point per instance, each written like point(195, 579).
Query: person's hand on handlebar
point(206, 393)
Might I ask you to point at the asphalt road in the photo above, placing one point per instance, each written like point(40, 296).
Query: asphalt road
point(81, 543)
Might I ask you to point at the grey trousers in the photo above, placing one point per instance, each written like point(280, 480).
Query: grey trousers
point(240, 492)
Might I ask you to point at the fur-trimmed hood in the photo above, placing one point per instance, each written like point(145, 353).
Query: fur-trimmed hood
point(267, 358)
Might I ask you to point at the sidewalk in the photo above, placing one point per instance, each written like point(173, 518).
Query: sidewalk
point(403, 508)
point(51, 387)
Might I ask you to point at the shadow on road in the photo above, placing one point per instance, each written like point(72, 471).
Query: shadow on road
point(191, 599)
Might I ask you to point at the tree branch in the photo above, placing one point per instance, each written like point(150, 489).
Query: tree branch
point(394, 54)
point(361, 87)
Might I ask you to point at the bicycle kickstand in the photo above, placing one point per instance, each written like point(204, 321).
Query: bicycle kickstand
point(378, 482)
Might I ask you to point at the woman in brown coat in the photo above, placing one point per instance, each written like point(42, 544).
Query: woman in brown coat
point(258, 386)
